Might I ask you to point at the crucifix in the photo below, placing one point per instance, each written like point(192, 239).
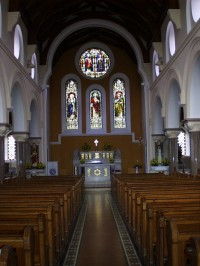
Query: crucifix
point(96, 143)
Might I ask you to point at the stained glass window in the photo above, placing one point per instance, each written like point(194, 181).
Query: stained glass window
point(95, 109)
point(119, 103)
point(11, 149)
point(94, 63)
point(71, 95)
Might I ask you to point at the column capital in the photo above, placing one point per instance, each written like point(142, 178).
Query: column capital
point(172, 133)
point(4, 129)
point(20, 136)
point(34, 140)
point(158, 138)
point(193, 124)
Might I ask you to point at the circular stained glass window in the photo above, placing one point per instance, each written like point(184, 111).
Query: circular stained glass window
point(94, 63)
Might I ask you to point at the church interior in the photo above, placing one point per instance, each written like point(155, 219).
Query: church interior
point(99, 132)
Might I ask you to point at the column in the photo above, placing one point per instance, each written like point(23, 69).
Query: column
point(193, 126)
point(4, 128)
point(21, 138)
point(172, 135)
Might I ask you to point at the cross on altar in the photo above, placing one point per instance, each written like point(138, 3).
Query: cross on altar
point(96, 142)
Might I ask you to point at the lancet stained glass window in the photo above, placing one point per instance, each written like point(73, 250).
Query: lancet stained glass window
point(95, 109)
point(119, 103)
point(94, 63)
point(71, 104)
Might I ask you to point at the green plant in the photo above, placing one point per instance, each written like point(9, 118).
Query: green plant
point(82, 161)
point(28, 165)
point(107, 147)
point(154, 162)
point(86, 147)
point(112, 160)
point(165, 161)
point(40, 165)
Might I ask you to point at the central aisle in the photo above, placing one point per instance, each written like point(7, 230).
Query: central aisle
point(100, 237)
point(100, 243)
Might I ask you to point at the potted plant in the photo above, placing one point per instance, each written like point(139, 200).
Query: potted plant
point(86, 147)
point(107, 147)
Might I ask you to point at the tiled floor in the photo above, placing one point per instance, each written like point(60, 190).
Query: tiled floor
point(100, 237)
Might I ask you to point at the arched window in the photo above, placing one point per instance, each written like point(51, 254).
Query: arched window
point(120, 104)
point(71, 105)
point(18, 44)
point(170, 41)
point(95, 109)
point(10, 148)
point(34, 67)
point(71, 96)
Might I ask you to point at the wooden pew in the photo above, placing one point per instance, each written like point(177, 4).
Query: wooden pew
point(193, 251)
point(179, 232)
point(134, 194)
point(156, 233)
point(44, 191)
point(7, 256)
point(23, 243)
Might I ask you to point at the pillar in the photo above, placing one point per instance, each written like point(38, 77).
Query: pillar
point(193, 126)
point(172, 135)
point(21, 138)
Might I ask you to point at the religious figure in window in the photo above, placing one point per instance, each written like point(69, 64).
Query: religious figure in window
point(88, 63)
point(100, 62)
point(71, 106)
point(95, 105)
point(119, 104)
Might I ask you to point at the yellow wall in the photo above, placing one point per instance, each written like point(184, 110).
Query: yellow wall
point(63, 152)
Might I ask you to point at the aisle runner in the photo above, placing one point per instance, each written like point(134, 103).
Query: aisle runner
point(72, 253)
point(129, 249)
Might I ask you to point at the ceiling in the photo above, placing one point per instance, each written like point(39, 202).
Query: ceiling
point(47, 18)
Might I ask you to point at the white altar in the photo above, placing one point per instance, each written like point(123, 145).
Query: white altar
point(97, 166)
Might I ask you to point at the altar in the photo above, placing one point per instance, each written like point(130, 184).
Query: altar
point(97, 166)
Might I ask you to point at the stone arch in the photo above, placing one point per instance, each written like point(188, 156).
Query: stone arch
point(95, 23)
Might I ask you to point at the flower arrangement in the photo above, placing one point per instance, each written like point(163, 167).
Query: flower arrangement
point(165, 161)
point(86, 147)
point(82, 161)
point(28, 165)
point(107, 147)
point(39, 165)
point(154, 162)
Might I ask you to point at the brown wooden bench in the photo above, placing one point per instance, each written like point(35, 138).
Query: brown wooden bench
point(7, 256)
point(179, 232)
point(192, 251)
point(23, 243)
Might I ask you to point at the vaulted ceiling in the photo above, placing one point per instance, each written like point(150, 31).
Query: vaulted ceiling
point(45, 19)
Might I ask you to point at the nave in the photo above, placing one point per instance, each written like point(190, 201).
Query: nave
point(100, 236)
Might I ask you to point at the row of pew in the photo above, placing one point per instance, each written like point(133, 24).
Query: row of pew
point(162, 215)
point(37, 219)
